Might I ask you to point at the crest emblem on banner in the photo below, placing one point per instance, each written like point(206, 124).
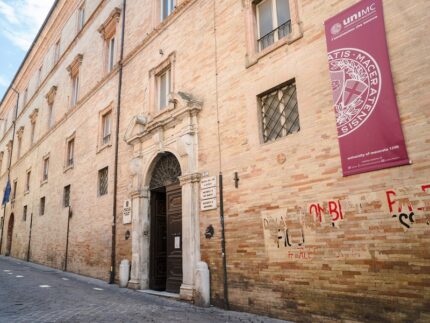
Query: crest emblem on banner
point(356, 84)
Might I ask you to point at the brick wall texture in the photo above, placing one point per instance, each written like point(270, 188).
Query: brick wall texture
point(370, 265)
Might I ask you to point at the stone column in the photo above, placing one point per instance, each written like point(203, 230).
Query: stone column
point(140, 240)
point(190, 233)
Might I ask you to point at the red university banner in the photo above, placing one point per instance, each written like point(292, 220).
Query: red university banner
point(367, 117)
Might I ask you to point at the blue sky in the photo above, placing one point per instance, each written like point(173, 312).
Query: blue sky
point(20, 21)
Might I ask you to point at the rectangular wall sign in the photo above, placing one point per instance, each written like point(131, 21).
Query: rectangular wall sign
point(367, 117)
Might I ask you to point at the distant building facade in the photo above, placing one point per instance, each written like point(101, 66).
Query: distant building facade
point(127, 114)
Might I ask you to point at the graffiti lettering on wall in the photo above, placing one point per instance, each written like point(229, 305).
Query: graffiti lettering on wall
point(332, 208)
point(402, 208)
point(293, 233)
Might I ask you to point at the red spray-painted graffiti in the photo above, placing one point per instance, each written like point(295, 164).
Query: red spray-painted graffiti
point(406, 217)
point(334, 209)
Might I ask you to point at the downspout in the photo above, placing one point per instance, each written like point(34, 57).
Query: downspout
point(10, 160)
point(115, 175)
point(29, 237)
point(221, 189)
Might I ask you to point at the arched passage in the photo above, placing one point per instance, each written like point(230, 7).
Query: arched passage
point(10, 234)
point(165, 272)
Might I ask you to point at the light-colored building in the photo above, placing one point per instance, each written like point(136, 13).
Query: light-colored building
point(195, 83)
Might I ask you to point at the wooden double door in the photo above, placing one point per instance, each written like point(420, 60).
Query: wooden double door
point(166, 239)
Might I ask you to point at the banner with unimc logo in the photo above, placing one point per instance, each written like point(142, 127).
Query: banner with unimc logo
point(367, 117)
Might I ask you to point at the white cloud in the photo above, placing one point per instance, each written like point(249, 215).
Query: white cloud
point(22, 20)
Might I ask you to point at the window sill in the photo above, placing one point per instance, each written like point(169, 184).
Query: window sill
point(67, 168)
point(43, 182)
point(253, 58)
point(27, 192)
point(103, 147)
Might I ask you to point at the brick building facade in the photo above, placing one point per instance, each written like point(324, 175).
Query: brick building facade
point(193, 81)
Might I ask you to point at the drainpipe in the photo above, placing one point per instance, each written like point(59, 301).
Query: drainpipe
point(29, 237)
point(66, 256)
point(115, 175)
point(10, 160)
point(221, 189)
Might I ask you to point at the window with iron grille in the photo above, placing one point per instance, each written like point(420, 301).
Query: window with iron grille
point(103, 181)
point(66, 196)
point(24, 213)
point(279, 112)
point(42, 206)
point(45, 169)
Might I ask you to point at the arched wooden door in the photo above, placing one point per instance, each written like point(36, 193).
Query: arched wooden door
point(166, 226)
point(10, 234)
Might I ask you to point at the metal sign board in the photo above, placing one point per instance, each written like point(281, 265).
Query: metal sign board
point(209, 204)
point(126, 212)
point(208, 182)
point(208, 193)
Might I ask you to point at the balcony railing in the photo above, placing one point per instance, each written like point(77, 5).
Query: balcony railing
point(273, 36)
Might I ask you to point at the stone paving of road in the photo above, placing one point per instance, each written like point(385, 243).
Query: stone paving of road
point(34, 293)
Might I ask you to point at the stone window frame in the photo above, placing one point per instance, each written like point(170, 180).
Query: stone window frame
point(109, 30)
point(50, 99)
point(80, 17)
point(67, 164)
point(101, 145)
point(73, 70)
point(253, 55)
point(27, 181)
point(154, 74)
point(57, 51)
point(24, 213)
point(14, 189)
point(67, 189)
point(33, 120)
point(19, 135)
point(157, 13)
point(1, 161)
point(45, 159)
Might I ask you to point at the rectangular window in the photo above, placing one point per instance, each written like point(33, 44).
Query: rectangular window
point(81, 17)
point(24, 213)
point(27, 182)
point(33, 131)
point(42, 206)
point(273, 21)
point(70, 152)
point(106, 123)
point(163, 81)
point(103, 181)
point(279, 112)
point(50, 115)
point(39, 76)
point(57, 52)
point(1, 161)
point(111, 54)
point(75, 90)
point(66, 196)
point(15, 184)
point(25, 97)
point(45, 169)
point(18, 152)
point(166, 8)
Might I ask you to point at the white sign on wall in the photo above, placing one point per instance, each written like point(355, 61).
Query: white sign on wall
point(126, 212)
point(208, 193)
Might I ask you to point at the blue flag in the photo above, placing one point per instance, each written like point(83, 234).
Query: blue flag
point(6, 195)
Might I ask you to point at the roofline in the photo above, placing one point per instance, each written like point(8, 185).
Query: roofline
point(29, 50)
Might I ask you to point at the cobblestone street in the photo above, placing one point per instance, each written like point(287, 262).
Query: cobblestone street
point(33, 293)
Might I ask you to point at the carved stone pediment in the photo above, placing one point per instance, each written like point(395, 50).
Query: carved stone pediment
point(73, 68)
point(33, 115)
point(181, 105)
point(20, 132)
point(108, 28)
point(50, 96)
